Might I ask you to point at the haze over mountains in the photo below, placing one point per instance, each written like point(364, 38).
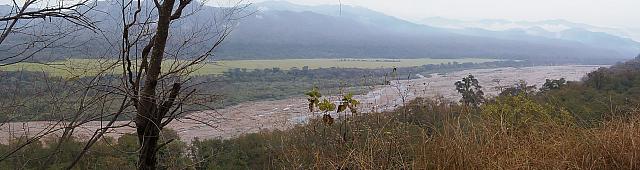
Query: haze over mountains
point(285, 30)
point(279, 29)
point(613, 38)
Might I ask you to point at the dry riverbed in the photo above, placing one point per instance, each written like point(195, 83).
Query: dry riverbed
point(253, 117)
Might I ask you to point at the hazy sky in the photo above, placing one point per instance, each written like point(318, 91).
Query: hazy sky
point(609, 13)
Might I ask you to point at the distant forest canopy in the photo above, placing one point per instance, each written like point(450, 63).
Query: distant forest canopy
point(287, 31)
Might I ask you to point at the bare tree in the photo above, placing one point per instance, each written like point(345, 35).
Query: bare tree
point(30, 21)
point(69, 105)
point(160, 46)
point(32, 27)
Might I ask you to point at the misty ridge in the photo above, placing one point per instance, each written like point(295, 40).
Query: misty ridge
point(345, 28)
point(280, 30)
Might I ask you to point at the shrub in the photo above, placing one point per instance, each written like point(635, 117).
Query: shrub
point(520, 111)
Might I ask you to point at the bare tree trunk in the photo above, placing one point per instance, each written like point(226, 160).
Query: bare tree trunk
point(147, 157)
point(149, 116)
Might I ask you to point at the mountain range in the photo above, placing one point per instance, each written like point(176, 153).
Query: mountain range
point(612, 38)
point(279, 29)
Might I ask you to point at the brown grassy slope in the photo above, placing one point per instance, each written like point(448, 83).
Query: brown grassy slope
point(438, 135)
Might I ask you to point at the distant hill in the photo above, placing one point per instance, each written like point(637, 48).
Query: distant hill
point(609, 38)
point(278, 29)
point(283, 30)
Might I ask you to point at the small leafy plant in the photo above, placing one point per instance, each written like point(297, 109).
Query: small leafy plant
point(313, 98)
point(348, 102)
point(326, 106)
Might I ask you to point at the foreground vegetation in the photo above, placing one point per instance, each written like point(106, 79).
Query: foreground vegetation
point(584, 125)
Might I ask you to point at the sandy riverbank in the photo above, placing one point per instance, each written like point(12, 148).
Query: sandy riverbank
point(252, 117)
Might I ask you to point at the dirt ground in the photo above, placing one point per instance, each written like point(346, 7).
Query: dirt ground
point(253, 117)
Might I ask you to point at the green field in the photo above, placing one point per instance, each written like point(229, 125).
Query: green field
point(89, 67)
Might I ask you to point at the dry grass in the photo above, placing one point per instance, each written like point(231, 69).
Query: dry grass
point(452, 137)
point(552, 147)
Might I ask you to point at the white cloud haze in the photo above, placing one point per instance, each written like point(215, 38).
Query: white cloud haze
point(606, 13)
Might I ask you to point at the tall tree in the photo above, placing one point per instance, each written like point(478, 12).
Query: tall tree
point(471, 91)
point(159, 46)
point(156, 95)
point(519, 88)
